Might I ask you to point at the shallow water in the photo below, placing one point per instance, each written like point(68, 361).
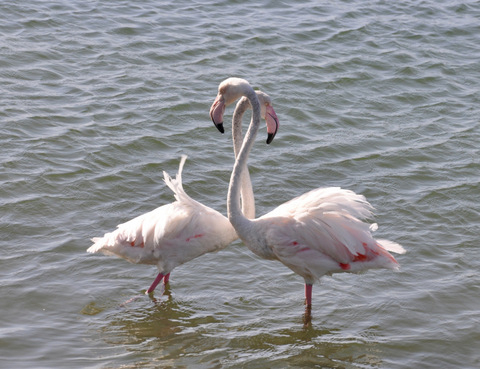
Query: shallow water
point(98, 98)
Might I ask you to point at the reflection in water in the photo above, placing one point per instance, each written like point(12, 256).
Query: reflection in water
point(143, 317)
point(173, 331)
point(319, 346)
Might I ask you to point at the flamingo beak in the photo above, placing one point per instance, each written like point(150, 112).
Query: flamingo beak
point(216, 112)
point(272, 123)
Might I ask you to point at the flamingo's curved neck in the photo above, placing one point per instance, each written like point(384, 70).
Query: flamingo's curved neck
point(241, 224)
point(246, 190)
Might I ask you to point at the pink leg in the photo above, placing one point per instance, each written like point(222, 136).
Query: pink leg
point(155, 283)
point(307, 318)
point(308, 294)
point(166, 278)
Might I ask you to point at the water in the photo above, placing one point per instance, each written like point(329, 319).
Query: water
point(97, 98)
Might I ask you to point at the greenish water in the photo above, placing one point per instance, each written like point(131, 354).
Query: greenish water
point(98, 98)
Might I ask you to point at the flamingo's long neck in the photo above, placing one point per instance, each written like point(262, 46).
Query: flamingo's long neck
point(241, 224)
point(246, 190)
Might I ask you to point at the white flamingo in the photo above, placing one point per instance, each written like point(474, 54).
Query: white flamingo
point(318, 233)
point(178, 232)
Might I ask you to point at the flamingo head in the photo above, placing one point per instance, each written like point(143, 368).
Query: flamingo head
point(229, 90)
point(232, 89)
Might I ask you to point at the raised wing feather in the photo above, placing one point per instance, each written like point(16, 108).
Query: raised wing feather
point(328, 220)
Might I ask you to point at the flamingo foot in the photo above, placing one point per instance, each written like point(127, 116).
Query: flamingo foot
point(134, 298)
point(307, 317)
point(155, 284)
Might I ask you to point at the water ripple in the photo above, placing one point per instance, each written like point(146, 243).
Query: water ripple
point(98, 98)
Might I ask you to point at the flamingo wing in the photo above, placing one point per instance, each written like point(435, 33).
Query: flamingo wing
point(322, 231)
point(172, 234)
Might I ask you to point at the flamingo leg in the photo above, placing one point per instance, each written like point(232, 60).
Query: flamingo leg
point(307, 319)
point(166, 278)
point(155, 283)
point(308, 295)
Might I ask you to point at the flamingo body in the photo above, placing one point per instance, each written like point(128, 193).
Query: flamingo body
point(160, 236)
point(320, 233)
point(170, 235)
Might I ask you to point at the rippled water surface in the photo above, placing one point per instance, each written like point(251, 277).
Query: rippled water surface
point(98, 98)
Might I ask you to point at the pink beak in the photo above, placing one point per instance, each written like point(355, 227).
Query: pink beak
point(272, 123)
point(216, 112)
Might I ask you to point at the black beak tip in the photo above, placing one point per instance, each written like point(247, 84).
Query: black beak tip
point(220, 127)
point(270, 138)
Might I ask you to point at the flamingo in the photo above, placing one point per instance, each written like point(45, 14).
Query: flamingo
point(318, 233)
point(181, 231)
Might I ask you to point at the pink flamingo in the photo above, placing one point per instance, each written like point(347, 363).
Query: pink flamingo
point(181, 231)
point(318, 233)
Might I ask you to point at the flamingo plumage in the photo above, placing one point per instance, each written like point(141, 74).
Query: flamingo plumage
point(318, 233)
point(176, 233)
